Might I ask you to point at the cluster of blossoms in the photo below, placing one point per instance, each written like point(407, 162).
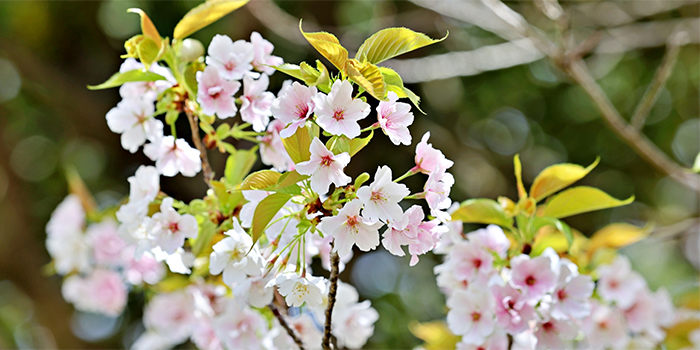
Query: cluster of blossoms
point(543, 302)
point(225, 279)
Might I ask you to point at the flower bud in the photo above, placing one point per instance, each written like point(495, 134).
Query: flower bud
point(131, 46)
point(191, 50)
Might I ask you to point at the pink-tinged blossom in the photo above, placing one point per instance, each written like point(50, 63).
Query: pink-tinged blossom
point(572, 293)
point(294, 106)
point(437, 193)
point(150, 340)
point(605, 328)
point(513, 312)
point(235, 256)
point(169, 228)
point(403, 231)
point(65, 240)
point(146, 90)
point(471, 315)
point(349, 228)
point(255, 291)
point(133, 118)
point(262, 50)
point(428, 159)
point(144, 185)
point(650, 313)
point(171, 315)
point(215, 94)
point(381, 198)
point(296, 289)
point(102, 291)
point(555, 334)
point(272, 151)
point(204, 335)
point(146, 269)
point(618, 283)
point(69, 216)
point(324, 167)
point(256, 102)
point(533, 276)
point(470, 262)
point(307, 330)
point(491, 238)
point(240, 327)
point(395, 118)
point(323, 246)
point(232, 59)
point(106, 242)
point(498, 340)
point(174, 156)
point(427, 238)
point(354, 324)
point(338, 113)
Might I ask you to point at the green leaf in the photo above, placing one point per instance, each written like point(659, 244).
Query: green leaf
point(290, 69)
point(391, 42)
point(207, 229)
point(368, 76)
point(328, 46)
point(310, 74)
point(205, 14)
point(540, 222)
point(482, 211)
point(227, 196)
point(238, 165)
point(617, 236)
point(557, 177)
point(260, 180)
point(579, 200)
point(519, 176)
point(265, 211)
point(148, 51)
point(358, 143)
point(190, 76)
point(324, 80)
point(297, 145)
point(129, 76)
point(696, 165)
point(338, 144)
point(290, 178)
point(171, 116)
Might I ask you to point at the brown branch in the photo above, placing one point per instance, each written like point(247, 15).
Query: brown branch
point(335, 267)
point(662, 73)
point(206, 167)
point(292, 333)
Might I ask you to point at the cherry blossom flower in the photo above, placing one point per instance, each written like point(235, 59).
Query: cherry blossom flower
point(215, 94)
point(605, 328)
point(262, 50)
point(554, 334)
point(471, 315)
point(437, 192)
point(102, 291)
point(240, 327)
point(650, 313)
point(174, 156)
point(470, 262)
point(144, 185)
point(428, 158)
point(297, 289)
point(427, 238)
point(146, 269)
point(338, 113)
point(324, 167)
point(232, 59)
point(146, 90)
point(65, 240)
point(353, 325)
point(618, 283)
point(572, 293)
point(107, 243)
point(272, 151)
point(235, 256)
point(395, 118)
point(382, 197)
point(498, 340)
point(533, 276)
point(294, 106)
point(178, 261)
point(204, 335)
point(256, 102)
point(171, 315)
point(133, 118)
point(349, 228)
point(254, 290)
point(307, 330)
point(68, 217)
point(512, 310)
point(403, 231)
point(169, 229)
point(491, 238)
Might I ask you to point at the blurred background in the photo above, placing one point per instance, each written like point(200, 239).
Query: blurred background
point(487, 96)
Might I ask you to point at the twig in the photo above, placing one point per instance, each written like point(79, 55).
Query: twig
point(206, 167)
point(335, 266)
point(292, 333)
point(660, 77)
point(674, 230)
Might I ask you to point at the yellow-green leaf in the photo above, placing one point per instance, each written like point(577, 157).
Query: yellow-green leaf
point(207, 229)
point(328, 46)
point(367, 76)
point(290, 69)
point(265, 211)
point(391, 42)
point(519, 176)
point(557, 177)
point(148, 51)
point(147, 27)
point(309, 74)
point(324, 80)
point(205, 14)
point(297, 145)
point(290, 178)
point(435, 334)
point(260, 180)
point(120, 78)
point(482, 211)
point(579, 200)
point(617, 236)
point(238, 165)
point(359, 143)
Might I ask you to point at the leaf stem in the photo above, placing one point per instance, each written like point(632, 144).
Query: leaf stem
point(407, 174)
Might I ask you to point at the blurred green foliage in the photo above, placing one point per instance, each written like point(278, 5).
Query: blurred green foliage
point(50, 51)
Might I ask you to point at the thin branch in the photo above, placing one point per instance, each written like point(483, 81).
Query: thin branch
point(335, 267)
point(206, 167)
point(638, 142)
point(292, 333)
point(660, 77)
point(674, 230)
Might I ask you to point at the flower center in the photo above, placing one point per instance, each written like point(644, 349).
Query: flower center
point(352, 221)
point(476, 263)
point(214, 91)
point(378, 196)
point(302, 110)
point(530, 280)
point(230, 65)
point(326, 161)
point(562, 294)
point(548, 327)
point(174, 227)
point(300, 289)
point(339, 114)
point(476, 316)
